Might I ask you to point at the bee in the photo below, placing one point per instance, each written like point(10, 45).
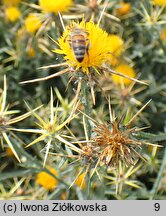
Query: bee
point(79, 43)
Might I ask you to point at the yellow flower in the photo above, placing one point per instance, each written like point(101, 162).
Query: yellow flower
point(159, 2)
point(163, 34)
point(126, 70)
point(32, 23)
point(80, 181)
point(99, 46)
point(11, 2)
point(116, 49)
point(31, 52)
point(9, 152)
point(54, 6)
point(46, 180)
point(12, 13)
point(123, 9)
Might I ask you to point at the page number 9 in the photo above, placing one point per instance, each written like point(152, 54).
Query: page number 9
point(156, 206)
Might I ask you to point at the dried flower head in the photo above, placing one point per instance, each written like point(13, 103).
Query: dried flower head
point(116, 144)
point(46, 180)
point(54, 6)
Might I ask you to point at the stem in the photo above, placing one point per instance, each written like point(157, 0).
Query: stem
point(87, 107)
point(156, 185)
point(87, 111)
point(88, 184)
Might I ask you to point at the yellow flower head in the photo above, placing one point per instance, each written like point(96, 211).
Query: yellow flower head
point(163, 34)
point(46, 180)
point(9, 152)
point(30, 51)
point(12, 13)
point(53, 6)
point(97, 43)
point(80, 181)
point(159, 2)
point(11, 2)
point(32, 23)
point(116, 49)
point(126, 70)
point(123, 9)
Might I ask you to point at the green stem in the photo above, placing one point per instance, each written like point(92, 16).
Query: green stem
point(88, 184)
point(87, 111)
point(156, 185)
point(87, 107)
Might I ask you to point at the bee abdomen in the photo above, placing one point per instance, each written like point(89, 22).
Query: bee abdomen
point(79, 49)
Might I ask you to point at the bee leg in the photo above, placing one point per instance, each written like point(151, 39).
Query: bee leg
point(68, 40)
point(87, 47)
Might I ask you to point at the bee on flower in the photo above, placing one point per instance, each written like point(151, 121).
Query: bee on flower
point(78, 43)
point(87, 50)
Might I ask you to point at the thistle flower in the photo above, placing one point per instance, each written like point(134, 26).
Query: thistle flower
point(123, 9)
point(46, 180)
point(98, 51)
point(116, 145)
point(98, 54)
point(125, 69)
point(54, 6)
point(12, 13)
point(32, 23)
point(116, 49)
point(159, 2)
